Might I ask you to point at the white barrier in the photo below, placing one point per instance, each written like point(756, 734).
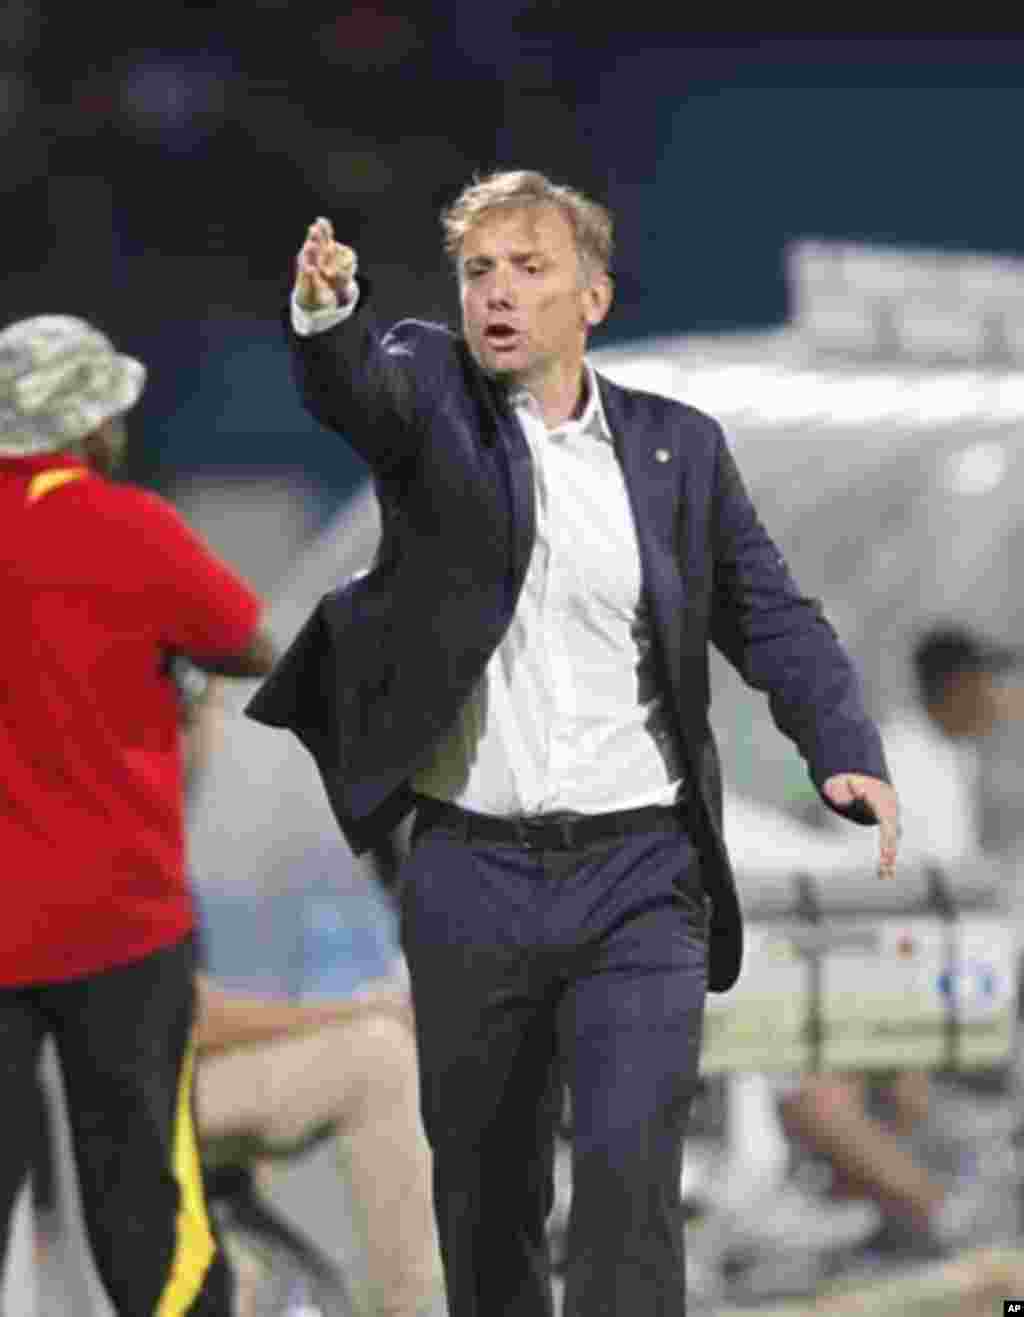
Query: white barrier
point(852, 973)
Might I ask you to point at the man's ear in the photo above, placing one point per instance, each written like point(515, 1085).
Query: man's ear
point(597, 299)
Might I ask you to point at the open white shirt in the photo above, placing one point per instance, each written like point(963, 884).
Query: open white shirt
point(566, 715)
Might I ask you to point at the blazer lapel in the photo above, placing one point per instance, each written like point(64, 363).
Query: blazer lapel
point(502, 435)
point(653, 468)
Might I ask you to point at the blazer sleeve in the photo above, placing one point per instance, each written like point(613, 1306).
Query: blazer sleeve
point(781, 643)
point(376, 389)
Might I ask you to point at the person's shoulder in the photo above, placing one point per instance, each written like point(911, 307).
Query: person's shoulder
point(93, 495)
point(145, 515)
point(135, 502)
point(116, 521)
point(438, 356)
point(421, 336)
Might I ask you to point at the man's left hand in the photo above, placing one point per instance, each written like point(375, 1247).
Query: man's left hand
point(844, 789)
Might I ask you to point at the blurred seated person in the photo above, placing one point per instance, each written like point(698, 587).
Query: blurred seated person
point(322, 1042)
point(933, 752)
point(749, 1202)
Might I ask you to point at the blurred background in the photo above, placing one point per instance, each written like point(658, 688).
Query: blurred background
point(819, 240)
point(161, 166)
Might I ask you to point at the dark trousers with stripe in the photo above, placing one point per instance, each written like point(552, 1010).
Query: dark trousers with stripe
point(533, 966)
point(123, 1039)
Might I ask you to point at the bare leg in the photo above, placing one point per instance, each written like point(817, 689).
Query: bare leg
point(384, 1156)
point(360, 1076)
point(828, 1115)
point(909, 1093)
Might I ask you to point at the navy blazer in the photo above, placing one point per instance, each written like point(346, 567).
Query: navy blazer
point(382, 666)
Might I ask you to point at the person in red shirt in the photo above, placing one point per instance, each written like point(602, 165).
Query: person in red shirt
point(103, 589)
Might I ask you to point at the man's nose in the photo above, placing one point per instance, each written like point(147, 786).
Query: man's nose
point(499, 290)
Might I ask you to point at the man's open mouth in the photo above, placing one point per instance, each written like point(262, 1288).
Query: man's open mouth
point(501, 336)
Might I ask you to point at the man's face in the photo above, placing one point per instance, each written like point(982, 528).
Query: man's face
point(526, 304)
point(970, 707)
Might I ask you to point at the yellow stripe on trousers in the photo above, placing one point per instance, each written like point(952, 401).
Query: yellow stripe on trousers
point(194, 1247)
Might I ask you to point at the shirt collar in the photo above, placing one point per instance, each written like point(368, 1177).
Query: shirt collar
point(593, 422)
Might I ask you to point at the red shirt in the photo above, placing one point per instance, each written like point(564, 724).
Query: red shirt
point(99, 582)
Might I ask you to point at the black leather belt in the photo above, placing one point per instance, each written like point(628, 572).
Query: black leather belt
point(547, 832)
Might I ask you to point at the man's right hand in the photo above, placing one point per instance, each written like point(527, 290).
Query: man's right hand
point(324, 270)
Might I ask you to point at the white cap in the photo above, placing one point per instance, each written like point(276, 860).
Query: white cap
point(60, 379)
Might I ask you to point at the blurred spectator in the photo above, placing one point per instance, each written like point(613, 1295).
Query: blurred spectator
point(932, 752)
point(890, 1156)
point(751, 1206)
point(305, 1031)
point(368, 37)
point(176, 104)
point(331, 1052)
point(102, 585)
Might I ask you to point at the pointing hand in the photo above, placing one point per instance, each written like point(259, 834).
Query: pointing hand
point(324, 270)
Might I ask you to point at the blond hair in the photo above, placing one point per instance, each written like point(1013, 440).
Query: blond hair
point(591, 222)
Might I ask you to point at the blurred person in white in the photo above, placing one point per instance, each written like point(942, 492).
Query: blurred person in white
point(934, 755)
point(305, 1030)
point(964, 699)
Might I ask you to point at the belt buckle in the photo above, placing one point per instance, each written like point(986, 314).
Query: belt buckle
point(525, 825)
point(560, 823)
point(566, 828)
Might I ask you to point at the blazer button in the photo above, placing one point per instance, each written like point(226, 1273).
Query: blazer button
point(662, 455)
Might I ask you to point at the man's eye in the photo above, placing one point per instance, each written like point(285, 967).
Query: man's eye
point(533, 269)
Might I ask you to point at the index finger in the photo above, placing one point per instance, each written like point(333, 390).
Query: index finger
point(889, 833)
point(322, 228)
point(884, 805)
point(887, 813)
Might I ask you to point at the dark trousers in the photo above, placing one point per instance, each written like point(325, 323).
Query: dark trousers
point(123, 1039)
point(529, 967)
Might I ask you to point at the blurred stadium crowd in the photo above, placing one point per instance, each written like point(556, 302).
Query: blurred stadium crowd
point(176, 153)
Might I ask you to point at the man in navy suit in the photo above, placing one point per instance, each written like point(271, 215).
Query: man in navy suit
point(525, 665)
